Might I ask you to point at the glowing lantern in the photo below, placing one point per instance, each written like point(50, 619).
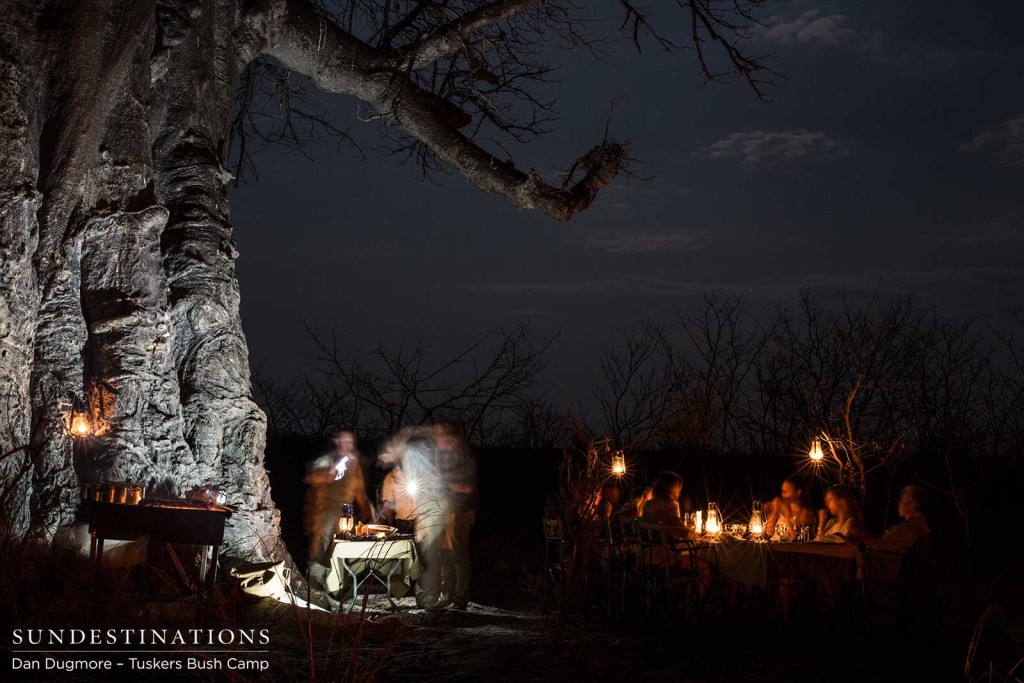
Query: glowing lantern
point(80, 425)
point(713, 524)
point(618, 464)
point(757, 522)
point(816, 453)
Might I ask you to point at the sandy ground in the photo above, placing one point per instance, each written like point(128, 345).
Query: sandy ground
point(505, 636)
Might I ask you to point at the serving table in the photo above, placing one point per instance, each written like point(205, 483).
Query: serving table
point(158, 524)
point(391, 561)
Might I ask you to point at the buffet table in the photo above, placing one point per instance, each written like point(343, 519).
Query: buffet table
point(392, 562)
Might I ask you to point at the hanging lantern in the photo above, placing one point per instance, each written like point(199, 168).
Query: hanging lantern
point(816, 453)
point(79, 424)
point(618, 464)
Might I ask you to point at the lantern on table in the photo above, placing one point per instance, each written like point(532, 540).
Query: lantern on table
point(713, 525)
point(757, 522)
point(346, 524)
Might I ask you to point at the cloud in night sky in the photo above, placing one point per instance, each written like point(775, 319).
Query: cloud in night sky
point(991, 234)
point(809, 27)
point(1003, 142)
point(905, 281)
point(640, 243)
point(627, 285)
point(760, 147)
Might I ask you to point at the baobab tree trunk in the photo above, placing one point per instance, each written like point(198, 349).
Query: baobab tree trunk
point(117, 281)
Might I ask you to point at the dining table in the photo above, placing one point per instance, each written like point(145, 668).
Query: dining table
point(778, 568)
point(361, 563)
point(759, 564)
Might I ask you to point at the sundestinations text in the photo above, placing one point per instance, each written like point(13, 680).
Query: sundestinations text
point(139, 636)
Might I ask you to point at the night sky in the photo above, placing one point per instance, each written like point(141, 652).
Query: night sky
point(889, 161)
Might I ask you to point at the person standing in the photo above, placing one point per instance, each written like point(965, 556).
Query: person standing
point(397, 491)
point(432, 511)
point(334, 480)
point(458, 469)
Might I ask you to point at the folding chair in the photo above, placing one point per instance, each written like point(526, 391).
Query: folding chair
point(554, 560)
point(671, 575)
point(611, 564)
point(902, 582)
point(632, 569)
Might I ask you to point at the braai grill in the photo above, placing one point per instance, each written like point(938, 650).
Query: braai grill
point(188, 525)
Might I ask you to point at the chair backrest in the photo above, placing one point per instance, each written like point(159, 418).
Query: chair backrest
point(657, 549)
point(918, 566)
point(552, 529)
point(654, 548)
point(627, 526)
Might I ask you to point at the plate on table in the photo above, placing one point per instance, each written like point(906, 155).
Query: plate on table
point(379, 531)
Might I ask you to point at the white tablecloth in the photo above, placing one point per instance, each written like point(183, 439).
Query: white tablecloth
point(749, 562)
point(384, 557)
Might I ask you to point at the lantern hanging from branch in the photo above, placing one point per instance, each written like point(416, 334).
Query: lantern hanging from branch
point(817, 455)
point(618, 464)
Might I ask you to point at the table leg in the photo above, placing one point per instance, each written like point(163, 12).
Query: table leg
point(355, 582)
point(99, 555)
point(395, 564)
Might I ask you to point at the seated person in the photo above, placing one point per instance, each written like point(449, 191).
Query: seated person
point(789, 511)
point(611, 499)
point(637, 499)
point(841, 516)
point(899, 542)
point(663, 507)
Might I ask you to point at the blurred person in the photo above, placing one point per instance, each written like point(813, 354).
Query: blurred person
point(334, 479)
point(789, 511)
point(458, 468)
point(841, 517)
point(637, 499)
point(398, 492)
point(912, 509)
point(902, 556)
point(912, 533)
point(432, 514)
point(609, 500)
point(663, 507)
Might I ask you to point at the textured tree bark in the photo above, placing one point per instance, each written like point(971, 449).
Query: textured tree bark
point(117, 281)
point(19, 296)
